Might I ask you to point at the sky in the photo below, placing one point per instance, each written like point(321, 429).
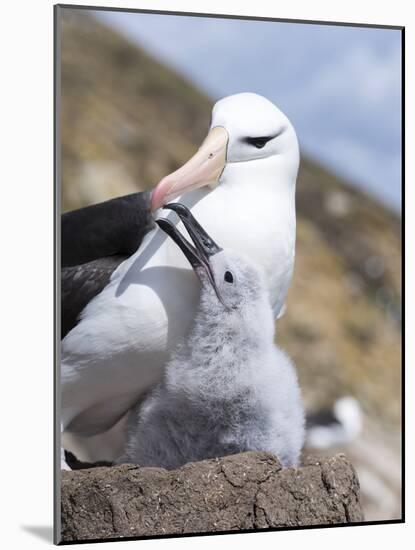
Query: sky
point(339, 86)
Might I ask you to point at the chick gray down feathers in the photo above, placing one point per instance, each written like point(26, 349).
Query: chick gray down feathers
point(227, 387)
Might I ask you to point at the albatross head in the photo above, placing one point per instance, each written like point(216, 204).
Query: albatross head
point(250, 141)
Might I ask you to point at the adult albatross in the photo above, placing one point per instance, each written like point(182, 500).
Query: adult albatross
point(240, 185)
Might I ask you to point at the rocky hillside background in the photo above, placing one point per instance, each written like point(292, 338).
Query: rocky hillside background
point(127, 120)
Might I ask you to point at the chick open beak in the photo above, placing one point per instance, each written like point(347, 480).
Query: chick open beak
point(205, 167)
point(205, 245)
point(199, 253)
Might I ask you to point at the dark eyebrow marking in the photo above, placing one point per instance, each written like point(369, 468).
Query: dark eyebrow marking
point(259, 141)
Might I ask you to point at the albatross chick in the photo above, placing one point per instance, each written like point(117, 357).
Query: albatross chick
point(227, 387)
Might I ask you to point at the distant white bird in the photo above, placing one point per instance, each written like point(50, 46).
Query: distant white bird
point(227, 387)
point(241, 186)
point(339, 426)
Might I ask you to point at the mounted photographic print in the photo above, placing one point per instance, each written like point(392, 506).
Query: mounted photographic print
point(229, 274)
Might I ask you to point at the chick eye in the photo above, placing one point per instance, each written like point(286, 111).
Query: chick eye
point(228, 277)
point(258, 142)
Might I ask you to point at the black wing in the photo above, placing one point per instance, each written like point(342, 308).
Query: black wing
point(79, 284)
point(114, 227)
point(95, 240)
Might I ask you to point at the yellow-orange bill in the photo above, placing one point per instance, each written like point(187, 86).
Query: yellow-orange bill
point(203, 168)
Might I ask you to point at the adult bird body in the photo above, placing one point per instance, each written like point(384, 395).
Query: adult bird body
point(241, 187)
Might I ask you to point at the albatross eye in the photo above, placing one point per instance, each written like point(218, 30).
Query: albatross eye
point(258, 142)
point(228, 277)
